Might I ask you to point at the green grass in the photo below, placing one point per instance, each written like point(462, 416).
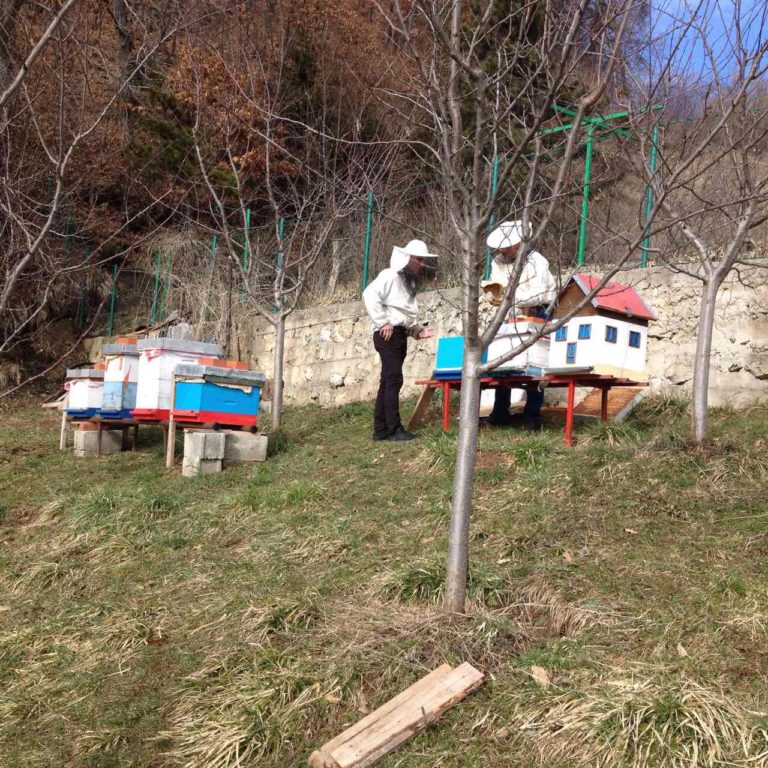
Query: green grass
point(245, 618)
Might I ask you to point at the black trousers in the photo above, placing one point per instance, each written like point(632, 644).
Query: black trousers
point(386, 417)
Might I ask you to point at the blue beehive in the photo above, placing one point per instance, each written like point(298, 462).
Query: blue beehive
point(207, 394)
point(450, 357)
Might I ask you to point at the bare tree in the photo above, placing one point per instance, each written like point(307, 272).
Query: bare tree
point(256, 163)
point(484, 77)
point(722, 194)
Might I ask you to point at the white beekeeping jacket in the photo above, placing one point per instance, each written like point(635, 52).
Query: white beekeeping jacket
point(388, 300)
point(537, 284)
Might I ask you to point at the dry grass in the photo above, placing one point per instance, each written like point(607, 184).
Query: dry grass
point(645, 722)
point(241, 620)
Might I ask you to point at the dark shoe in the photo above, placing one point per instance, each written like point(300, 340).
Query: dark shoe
point(532, 426)
point(380, 435)
point(402, 434)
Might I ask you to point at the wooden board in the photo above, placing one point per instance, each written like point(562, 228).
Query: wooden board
point(407, 714)
point(420, 411)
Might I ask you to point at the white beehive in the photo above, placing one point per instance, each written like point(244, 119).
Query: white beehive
point(85, 386)
point(514, 334)
point(608, 335)
point(158, 359)
point(607, 345)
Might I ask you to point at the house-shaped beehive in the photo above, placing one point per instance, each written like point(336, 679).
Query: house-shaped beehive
point(608, 335)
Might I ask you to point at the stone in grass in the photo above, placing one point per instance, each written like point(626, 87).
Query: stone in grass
point(195, 467)
point(86, 442)
point(203, 444)
point(243, 446)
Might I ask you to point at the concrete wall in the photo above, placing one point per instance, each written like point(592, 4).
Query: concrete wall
point(330, 358)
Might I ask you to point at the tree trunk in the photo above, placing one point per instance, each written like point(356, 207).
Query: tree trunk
point(277, 374)
point(700, 400)
point(463, 483)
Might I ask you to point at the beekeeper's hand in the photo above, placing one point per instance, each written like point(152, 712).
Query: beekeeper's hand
point(426, 333)
point(386, 331)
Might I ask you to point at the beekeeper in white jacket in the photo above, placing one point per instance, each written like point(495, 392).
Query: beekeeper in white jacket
point(537, 286)
point(535, 292)
point(391, 303)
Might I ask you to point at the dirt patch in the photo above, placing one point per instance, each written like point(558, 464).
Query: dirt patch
point(492, 460)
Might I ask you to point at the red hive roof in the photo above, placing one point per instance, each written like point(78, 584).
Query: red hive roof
point(614, 297)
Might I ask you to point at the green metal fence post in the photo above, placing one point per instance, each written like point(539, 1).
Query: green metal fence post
point(244, 291)
point(649, 197)
point(280, 235)
point(155, 292)
point(585, 195)
point(367, 241)
point(111, 324)
point(494, 185)
point(166, 283)
point(81, 308)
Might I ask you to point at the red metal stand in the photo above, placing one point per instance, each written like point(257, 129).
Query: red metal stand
point(446, 405)
point(569, 413)
point(604, 404)
point(605, 383)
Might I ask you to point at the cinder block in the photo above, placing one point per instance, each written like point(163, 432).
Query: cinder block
point(202, 444)
point(87, 440)
point(195, 467)
point(244, 446)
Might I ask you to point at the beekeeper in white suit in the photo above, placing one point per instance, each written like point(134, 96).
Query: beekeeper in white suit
point(535, 292)
point(391, 303)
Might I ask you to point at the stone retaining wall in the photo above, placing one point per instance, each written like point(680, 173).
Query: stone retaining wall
point(330, 358)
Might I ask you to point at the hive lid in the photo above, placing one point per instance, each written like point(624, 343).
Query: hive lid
point(85, 373)
point(120, 349)
point(180, 345)
point(224, 375)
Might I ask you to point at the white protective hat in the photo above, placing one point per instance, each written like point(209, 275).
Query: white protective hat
point(401, 256)
point(507, 235)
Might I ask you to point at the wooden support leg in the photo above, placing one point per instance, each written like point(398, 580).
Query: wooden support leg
point(135, 440)
point(604, 404)
point(63, 432)
point(446, 406)
point(425, 398)
point(98, 441)
point(170, 452)
point(569, 413)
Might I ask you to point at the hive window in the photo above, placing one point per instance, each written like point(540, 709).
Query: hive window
point(562, 333)
point(634, 339)
point(611, 334)
point(585, 331)
point(570, 353)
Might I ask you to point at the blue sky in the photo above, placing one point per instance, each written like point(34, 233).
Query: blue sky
point(715, 29)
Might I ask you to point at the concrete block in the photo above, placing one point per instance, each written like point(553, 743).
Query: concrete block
point(195, 467)
point(86, 441)
point(202, 444)
point(244, 446)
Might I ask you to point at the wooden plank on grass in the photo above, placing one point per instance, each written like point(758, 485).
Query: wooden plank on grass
point(420, 411)
point(407, 714)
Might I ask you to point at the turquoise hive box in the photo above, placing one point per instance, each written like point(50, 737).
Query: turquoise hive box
point(206, 394)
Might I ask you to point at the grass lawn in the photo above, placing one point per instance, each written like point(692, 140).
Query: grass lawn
point(243, 619)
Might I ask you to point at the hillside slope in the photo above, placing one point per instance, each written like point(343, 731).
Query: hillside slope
point(245, 618)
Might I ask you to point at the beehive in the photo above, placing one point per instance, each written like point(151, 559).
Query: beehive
point(120, 380)
point(85, 387)
point(207, 394)
point(158, 359)
point(512, 335)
